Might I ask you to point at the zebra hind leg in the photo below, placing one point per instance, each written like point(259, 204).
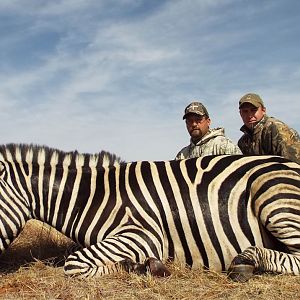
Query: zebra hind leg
point(257, 260)
point(151, 265)
point(242, 266)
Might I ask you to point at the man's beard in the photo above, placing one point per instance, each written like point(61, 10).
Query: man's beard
point(196, 135)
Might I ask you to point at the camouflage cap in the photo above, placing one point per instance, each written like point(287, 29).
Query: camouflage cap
point(253, 99)
point(195, 108)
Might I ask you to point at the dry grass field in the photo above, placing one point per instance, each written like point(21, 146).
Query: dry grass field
point(30, 270)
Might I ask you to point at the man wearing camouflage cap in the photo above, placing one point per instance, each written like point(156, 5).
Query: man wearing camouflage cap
point(264, 134)
point(204, 141)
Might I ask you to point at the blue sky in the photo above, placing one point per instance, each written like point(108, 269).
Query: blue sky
point(116, 75)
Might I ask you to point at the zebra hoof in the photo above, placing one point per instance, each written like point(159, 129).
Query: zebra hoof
point(156, 267)
point(241, 273)
point(132, 267)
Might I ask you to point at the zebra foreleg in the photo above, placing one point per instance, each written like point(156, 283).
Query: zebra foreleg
point(79, 266)
point(256, 260)
point(97, 260)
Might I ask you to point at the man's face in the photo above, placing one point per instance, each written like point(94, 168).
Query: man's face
point(251, 115)
point(197, 125)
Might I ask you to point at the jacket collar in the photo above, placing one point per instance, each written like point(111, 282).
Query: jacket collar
point(211, 133)
point(256, 128)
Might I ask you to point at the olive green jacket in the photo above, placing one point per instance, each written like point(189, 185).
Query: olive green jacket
point(213, 142)
point(271, 136)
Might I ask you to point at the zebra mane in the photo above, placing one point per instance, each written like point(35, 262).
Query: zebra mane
point(20, 152)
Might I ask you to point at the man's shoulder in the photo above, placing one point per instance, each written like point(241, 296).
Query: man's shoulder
point(215, 132)
point(218, 141)
point(183, 153)
point(225, 144)
point(184, 149)
point(275, 125)
point(219, 136)
point(274, 122)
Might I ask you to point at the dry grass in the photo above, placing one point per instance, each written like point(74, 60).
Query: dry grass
point(31, 274)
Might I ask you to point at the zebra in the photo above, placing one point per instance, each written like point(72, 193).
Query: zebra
point(233, 213)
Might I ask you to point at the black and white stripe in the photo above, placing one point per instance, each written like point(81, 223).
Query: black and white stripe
point(202, 212)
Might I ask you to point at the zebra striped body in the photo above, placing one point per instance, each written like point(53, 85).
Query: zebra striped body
point(202, 212)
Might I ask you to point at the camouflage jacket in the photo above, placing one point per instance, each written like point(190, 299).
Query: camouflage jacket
point(213, 142)
point(271, 136)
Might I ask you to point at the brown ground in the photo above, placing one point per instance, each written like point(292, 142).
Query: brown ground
point(29, 271)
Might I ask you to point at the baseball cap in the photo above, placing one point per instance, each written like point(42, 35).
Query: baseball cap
point(253, 99)
point(195, 108)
